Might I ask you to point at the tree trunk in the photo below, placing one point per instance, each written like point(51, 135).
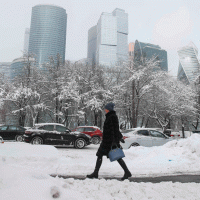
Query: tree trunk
point(183, 130)
point(134, 123)
point(95, 118)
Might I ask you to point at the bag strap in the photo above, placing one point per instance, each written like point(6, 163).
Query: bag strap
point(114, 143)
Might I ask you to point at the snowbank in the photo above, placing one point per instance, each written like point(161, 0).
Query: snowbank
point(25, 169)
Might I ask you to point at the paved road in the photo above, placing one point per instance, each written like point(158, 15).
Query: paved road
point(175, 178)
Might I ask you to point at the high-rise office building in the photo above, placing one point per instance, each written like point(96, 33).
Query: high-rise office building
point(189, 66)
point(17, 66)
point(131, 50)
point(5, 69)
point(92, 44)
point(131, 54)
point(108, 40)
point(26, 40)
point(47, 33)
point(148, 51)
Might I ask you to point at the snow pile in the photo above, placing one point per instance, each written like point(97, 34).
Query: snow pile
point(25, 169)
point(190, 145)
point(34, 157)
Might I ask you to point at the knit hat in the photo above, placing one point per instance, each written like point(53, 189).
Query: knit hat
point(110, 106)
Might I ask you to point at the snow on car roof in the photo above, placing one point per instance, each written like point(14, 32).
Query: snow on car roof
point(42, 124)
point(88, 127)
point(138, 128)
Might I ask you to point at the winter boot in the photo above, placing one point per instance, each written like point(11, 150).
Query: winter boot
point(127, 173)
point(96, 170)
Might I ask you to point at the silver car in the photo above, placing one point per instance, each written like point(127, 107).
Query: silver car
point(146, 137)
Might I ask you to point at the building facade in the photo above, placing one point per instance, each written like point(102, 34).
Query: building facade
point(26, 41)
point(17, 66)
point(5, 69)
point(108, 40)
point(92, 44)
point(148, 51)
point(189, 65)
point(47, 33)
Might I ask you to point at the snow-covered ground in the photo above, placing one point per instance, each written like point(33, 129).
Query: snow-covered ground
point(25, 169)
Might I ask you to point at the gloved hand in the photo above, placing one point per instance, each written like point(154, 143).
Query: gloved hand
point(122, 140)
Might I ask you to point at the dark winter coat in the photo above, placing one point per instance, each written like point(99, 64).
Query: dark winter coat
point(111, 133)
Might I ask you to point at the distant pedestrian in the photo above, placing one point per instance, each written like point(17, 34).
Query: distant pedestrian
point(111, 136)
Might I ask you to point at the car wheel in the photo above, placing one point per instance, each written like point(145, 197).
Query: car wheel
point(96, 140)
point(37, 140)
point(134, 145)
point(79, 143)
point(19, 138)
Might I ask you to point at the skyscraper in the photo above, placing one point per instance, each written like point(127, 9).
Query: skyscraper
point(47, 33)
point(5, 68)
point(26, 40)
point(92, 44)
point(189, 65)
point(131, 50)
point(108, 40)
point(147, 51)
point(17, 65)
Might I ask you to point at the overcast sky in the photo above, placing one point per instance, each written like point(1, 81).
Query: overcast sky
point(168, 23)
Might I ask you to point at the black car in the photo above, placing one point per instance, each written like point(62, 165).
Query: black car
point(12, 132)
point(55, 134)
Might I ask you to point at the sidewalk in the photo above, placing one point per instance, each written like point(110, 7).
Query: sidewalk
point(172, 178)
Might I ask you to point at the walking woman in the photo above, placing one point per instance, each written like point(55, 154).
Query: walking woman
point(111, 135)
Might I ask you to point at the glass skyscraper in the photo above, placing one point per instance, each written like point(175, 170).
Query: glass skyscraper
point(92, 44)
point(148, 51)
point(189, 65)
point(47, 33)
point(17, 66)
point(5, 69)
point(108, 40)
point(26, 40)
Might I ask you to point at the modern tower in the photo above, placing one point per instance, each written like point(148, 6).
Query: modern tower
point(17, 66)
point(189, 65)
point(148, 51)
point(131, 50)
point(108, 40)
point(47, 33)
point(5, 69)
point(26, 40)
point(92, 44)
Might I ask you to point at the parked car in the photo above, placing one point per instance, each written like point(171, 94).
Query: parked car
point(127, 130)
point(92, 131)
point(196, 131)
point(55, 134)
point(1, 140)
point(12, 132)
point(172, 133)
point(147, 137)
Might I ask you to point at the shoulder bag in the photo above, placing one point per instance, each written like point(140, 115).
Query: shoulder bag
point(116, 154)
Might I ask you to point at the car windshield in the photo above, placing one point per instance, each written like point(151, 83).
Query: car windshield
point(61, 128)
point(156, 134)
point(143, 132)
point(89, 129)
point(47, 127)
point(3, 128)
point(80, 129)
point(128, 131)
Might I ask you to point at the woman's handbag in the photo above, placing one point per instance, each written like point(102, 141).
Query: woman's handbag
point(115, 154)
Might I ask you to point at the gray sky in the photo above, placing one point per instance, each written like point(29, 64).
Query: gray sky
point(168, 23)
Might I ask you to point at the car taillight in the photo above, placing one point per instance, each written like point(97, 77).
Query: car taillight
point(28, 132)
point(174, 135)
point(124, 137)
